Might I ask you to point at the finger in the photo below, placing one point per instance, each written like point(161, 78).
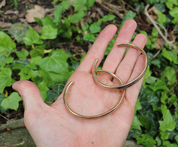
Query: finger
point(29, 93)
point(116, 54)
point(133, 91)
point(98, 48)
point(125, 68)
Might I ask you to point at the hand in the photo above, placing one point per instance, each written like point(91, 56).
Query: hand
point(55, 126)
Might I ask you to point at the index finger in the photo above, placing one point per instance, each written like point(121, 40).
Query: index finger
point(98, 48)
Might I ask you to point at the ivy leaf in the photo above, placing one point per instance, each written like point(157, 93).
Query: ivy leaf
point(161, 17)
point(76, 17)
point(55, 91)
point(134, 133)
point(146, 140)
point(32, 37)
point(151, 80)
point(108, 18)
point(158, 140)
point(90, 3)
point(176, 138)
point(36, 60)
point(164, 97)
point(148, 113)
point(22, 54)
point(159, 85)
point(153, 99)
point(170, 55)
point(12, 102)
point(173, 12)
point(137, 106)
point(170, 4)
point(47, 20)
point(161, 6)
point(6, 43)
point(129, 15)
point(35, 76)
point(5, 78)
point(89, 37)
point(168, 144)
point(172, 99)
point(95, 28)
point(24, 70)
point(43, 89)
point(136, 123)
point(37, 51)
point(38, 20)
point(163, 110)
point(18, 31)
point(85, 27)
point(55, 63)
point(153, 128)
point(167, 123)
point(60, 8)
point(156, 62)
point(170, 74)
point(2, 97)
point(51, 78)
point(2, 60)
point(22, 61)
point(152, 1)
point(164, 135)
point(144, 121)
point(48, 32)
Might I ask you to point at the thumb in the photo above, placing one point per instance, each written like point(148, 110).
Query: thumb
point(30, 94)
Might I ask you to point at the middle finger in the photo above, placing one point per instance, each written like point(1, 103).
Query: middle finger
point(116, 55)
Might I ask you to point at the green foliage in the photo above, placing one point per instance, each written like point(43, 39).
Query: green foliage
point(146, 140)
point(32, 37)
point(40, 61)
point(18, 31)
point(6, 43)
point(14, 3)
point(48, 32)
point(167, 124)
point(11, 102)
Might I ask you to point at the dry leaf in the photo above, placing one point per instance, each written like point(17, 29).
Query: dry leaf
point(24, 21)
point(11, 12)
point(3, 3)
point(37, 28)
point(49, 10)
point(153, 14)
point(153, 10)
point(38, 11)
point(4, 25)
point(100, 12)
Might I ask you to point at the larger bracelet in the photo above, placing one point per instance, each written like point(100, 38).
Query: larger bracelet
point(94, 71)
point(93, 116)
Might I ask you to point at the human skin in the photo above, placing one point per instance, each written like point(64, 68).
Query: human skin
point(55, 126)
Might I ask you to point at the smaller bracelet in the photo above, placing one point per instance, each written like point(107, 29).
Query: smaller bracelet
point(94, 71)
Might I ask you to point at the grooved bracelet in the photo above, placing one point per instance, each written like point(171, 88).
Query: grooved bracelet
point(93, 116)
point(131, 82)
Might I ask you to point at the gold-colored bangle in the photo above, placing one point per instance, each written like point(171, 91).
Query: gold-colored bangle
point(94, 116)
point(94, 71)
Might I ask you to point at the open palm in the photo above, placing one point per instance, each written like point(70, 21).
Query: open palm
point(54, 126)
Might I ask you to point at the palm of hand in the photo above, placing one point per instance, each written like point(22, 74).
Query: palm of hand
point(55, 126)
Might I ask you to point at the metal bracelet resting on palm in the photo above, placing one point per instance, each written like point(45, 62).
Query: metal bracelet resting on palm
point(121, 87)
